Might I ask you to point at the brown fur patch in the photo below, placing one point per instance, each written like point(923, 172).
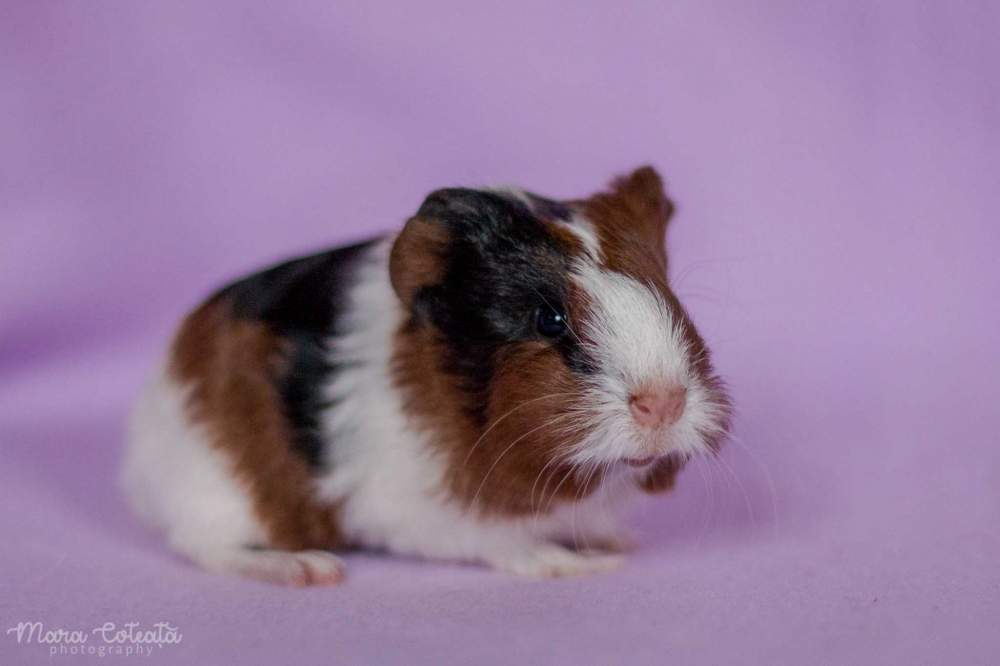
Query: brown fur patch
point(231, 366)
point(661, 477)
point(631, 222)
point(417, 258)
point(511, 465)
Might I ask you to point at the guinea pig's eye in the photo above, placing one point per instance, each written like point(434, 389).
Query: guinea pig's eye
point(551, 322)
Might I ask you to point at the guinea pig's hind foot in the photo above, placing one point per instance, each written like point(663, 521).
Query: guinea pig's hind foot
point(606, 543)
point(293, 568)
point(548, 560)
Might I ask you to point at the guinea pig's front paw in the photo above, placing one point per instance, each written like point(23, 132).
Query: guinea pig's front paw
point(294, 568)
point(605, 542)
point(550, 561)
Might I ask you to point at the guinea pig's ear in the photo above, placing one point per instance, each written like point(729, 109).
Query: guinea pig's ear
point(418, 256)
point(421, 249)
point(643, 194)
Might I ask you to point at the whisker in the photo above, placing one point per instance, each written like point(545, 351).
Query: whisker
point(558, 458)
point(531, 497)
point(497, 422)
point(708, 481)
point(739, 483)
point(555, 491)
point(579, 493)
point(767, 474)
point(602, 500)
point(506, 450)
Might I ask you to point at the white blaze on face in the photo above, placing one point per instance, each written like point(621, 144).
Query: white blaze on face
point(578, 225)
point(635, 342)
point(584, 230)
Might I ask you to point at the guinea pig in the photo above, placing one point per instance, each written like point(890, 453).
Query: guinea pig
point(489, 385)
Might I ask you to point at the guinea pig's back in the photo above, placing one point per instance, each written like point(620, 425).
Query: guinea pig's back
point(226, 435)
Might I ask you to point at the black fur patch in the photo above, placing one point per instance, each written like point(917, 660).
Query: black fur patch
point(302, 301)
point(502, 264)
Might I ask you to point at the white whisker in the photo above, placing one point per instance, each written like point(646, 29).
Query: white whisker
point(507, 450)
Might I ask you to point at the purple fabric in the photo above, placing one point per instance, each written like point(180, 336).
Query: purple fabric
point(837, 169)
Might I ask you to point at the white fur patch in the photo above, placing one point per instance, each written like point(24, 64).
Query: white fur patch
point(584, 229)
point(516, 193)
point(178, 482)
point(635, 340)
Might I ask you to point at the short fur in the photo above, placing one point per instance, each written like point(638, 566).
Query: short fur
point(399, 394)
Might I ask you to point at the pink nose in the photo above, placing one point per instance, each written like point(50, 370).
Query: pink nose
point(658, 406)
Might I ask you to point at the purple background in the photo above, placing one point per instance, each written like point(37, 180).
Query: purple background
point(837, 169)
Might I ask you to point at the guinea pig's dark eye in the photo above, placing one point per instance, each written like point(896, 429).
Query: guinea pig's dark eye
point(550, 322)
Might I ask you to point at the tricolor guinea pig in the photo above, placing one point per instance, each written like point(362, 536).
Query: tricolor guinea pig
point(488, 385)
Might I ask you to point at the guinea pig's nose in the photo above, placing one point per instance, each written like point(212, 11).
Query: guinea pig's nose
point(658, 406)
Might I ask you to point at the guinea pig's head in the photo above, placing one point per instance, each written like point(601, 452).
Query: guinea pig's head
point(552, 324)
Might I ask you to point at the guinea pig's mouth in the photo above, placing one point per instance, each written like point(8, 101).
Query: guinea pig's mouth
point(639, 462)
